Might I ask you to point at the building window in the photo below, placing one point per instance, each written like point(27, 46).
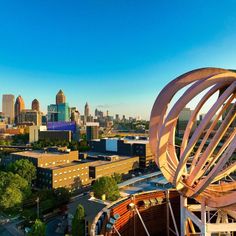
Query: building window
point(55, 181)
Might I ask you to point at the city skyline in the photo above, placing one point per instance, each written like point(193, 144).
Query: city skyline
point(37, 104)
point(107, 53)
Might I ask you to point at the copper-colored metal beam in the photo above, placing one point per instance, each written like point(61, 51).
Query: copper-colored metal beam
point(200, 180)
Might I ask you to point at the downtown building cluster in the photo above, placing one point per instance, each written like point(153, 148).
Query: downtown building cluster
point(60, 166)
point(15, 118)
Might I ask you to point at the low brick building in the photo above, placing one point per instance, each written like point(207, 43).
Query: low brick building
point(72, 175)
point(63, 168)
point(122, 165)
point(124, 147)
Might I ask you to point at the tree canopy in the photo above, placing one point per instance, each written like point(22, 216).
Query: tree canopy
point(39, 229)
point(62, 195)
point(108, 186)
point(78, 222)
point(117, 177)
point(23, 168)
point(13, 190)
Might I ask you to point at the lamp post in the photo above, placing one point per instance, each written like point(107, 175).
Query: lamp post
point(37, 201)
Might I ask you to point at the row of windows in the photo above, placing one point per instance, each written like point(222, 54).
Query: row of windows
point(60, 180)
point(54, 163)
point(73, 176)
point(69, 171)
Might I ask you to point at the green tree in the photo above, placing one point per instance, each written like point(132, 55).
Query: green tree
point(62, 195)
point(117, 177)
point(11, 197)
point(23, 168)
point(20, 139)
point(13, 190)
point(108, 186)
point(39, 229)
point(78, 222)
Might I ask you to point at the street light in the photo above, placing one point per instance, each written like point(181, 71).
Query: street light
point(37, 201)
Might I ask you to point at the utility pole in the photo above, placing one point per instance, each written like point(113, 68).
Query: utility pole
point(37, 201)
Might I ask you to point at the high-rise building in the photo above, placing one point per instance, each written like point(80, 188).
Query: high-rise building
point(59, 111)
point(63, 112)
point(8, 107)
point(117, 117)
point(35, 105)
point(75, 115)
point(183, 120)
point(30, 116)
point(86, 112)
point(52, 113)
point(19, 106)
point(96, 112)
point(60, 97)
point(99, 114)
point(92, 130)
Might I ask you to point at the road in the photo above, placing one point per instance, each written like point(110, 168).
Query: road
point(10, 229)
point(91, 210)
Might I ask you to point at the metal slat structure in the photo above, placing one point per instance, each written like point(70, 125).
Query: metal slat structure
point(202, 175)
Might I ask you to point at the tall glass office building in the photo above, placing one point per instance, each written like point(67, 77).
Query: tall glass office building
point(63, 112)
point(58, 112)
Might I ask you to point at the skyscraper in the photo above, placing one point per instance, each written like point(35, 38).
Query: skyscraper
point(86, 112)
point(92, 130)
point(19, 106)
point(35, 105)
point(30, 116)
point(59, 111)
point(63, 112)
point(8, 107)
point(60, 97)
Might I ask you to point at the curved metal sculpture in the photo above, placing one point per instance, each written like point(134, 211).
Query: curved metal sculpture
point(210, 161)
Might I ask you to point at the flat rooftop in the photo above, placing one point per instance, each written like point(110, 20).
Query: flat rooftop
point(40, 154)
point(106, 154)
point(136, 141)
point(126, 140)
point(95, 161)
point(100, 162)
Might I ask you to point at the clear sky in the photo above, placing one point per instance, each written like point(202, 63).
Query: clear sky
point(115, 54)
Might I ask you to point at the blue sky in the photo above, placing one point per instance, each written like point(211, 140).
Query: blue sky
point(117, 55)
